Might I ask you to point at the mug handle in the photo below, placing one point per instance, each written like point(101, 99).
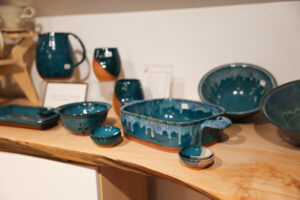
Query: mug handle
point(28, 13)
point(83, 50)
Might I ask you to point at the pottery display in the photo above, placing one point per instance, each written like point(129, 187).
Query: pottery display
point(55, 57)
point(126, 90)
point(106, 64)
point(196, 156)
point(281, 107)
point(83, 117)
point(237, 87)
point(106, 136)
point(12, 17)
point(27, 117)
point(174, 122)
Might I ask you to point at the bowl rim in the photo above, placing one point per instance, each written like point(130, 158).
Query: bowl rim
point(251, 111)
point(263, 100)
point(116, 133)
point(222, 111)
point(196, 158)
point(59, 109)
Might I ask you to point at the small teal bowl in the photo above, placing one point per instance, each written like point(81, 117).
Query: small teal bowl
point(196, 156)
point(83, 117)
point(281, 106)
point(237, 87)
point(106, 135)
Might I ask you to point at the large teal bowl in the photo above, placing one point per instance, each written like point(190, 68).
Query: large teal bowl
point(237, 87)
point(83, 117)
point(281, 106)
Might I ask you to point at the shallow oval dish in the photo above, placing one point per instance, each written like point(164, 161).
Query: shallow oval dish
point(196, 156)
point(174, 122)
point(237, 87)
point(106, 135)
point(281, 106)
point(83, 117)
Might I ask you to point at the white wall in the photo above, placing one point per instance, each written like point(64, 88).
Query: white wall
point(192, 40)
point(31, 178)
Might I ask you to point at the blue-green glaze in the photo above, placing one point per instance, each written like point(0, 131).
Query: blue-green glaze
point(109, 59)
point(55, 57)
point(127, 90)
point(237, 87)
point(174, 122)
point(281, 106)
point(196, 156)
point(106, 135)
point(27, 116)
point(83, 117)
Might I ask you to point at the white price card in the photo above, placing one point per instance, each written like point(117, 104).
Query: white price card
point(157, 81)
point(58, 94)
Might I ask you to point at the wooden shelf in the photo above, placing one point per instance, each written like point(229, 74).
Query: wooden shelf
point(252, 162)
point(58, 7)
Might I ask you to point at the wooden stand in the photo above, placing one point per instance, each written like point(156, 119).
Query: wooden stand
point(15, 66)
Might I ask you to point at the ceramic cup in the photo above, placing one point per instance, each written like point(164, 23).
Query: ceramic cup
point(126, 90)
point(106, 64)
point(12, 16)
point(55, 56)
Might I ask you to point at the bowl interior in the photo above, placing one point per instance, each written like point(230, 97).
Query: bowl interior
point(105, 131)
point(173, 110)
point(196, 152)
point(236, 87)
point(84, 108)
point(282, 106)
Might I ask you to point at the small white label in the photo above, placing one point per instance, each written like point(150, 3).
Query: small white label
point(184, 106)
point(107, 53)
point(67, 66)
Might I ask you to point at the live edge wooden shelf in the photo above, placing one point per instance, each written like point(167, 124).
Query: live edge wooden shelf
point(252, 162)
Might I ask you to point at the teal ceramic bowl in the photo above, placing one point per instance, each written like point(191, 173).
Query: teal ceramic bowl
point(106, 135)
point(83, 117)
point(281, 106)
point(237, 87)
point(196, 156)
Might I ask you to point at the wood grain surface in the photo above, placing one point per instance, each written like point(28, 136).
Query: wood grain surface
point(253, 161)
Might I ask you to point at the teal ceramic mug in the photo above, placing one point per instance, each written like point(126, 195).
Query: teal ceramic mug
point(55, 57)
point(126, 90)
point(106, 64)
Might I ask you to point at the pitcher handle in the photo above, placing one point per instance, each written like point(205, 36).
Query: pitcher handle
point(83, 50)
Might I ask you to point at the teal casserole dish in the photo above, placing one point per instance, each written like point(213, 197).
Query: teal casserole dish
point(174, 122)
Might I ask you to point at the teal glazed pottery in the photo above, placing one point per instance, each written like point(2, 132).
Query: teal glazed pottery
point(174, 122)
point(281, 106)
point(196, 156)
point(106, 135)
point(27, 116)
point(126, 90)
point(55, 57)
point(237, 87)
point(106, 64)
point(83, 117)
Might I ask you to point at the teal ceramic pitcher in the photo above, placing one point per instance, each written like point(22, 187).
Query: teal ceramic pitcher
point(55, 57)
